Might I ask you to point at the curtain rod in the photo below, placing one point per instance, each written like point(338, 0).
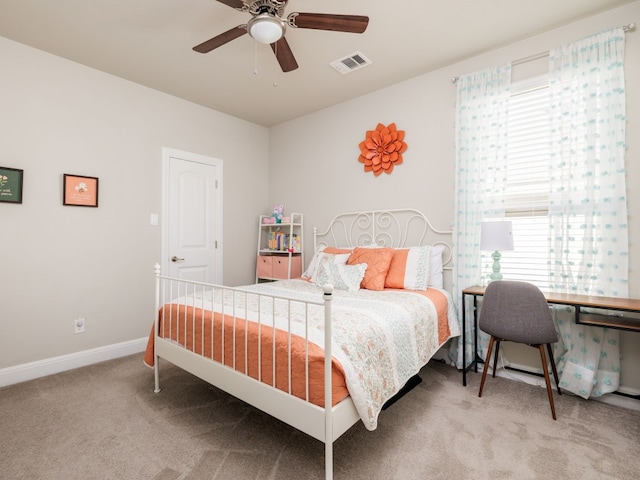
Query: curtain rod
point(627, 28)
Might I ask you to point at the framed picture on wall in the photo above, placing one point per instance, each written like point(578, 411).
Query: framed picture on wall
point(80, 191)
point(11, 185)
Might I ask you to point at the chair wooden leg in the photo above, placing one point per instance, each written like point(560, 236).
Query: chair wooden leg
point(495, 357)
point(553, 367)
point(547, 380)
point(486, 365)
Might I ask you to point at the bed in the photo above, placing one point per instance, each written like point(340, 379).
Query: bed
point(368, 313)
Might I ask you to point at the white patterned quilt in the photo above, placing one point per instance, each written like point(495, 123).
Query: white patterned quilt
point(381, 338)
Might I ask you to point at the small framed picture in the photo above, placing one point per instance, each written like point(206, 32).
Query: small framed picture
point(11, 185)
point(80, 191)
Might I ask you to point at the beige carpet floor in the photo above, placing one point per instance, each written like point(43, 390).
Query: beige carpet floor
point(105, 422)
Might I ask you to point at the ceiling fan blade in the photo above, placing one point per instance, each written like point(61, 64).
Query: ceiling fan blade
point(326, 21)
point(233, 3)
point(215, 42)
point(284, 55)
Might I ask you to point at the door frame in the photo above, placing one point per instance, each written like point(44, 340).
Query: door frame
point(168, 153)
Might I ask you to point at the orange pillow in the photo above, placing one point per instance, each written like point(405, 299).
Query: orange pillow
point(377, 260)
point(337, 251)
point(395, 275)
point(409, 268)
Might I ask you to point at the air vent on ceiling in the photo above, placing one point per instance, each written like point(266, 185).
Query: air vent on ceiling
point(350, 63)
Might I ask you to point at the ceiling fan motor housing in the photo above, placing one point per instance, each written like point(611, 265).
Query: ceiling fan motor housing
point(272, 7)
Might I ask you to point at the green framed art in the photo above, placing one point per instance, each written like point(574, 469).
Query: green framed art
point(11, 185)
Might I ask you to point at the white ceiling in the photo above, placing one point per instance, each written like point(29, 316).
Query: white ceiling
point(150, 42)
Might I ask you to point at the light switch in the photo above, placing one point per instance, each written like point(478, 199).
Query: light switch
point(154, 219)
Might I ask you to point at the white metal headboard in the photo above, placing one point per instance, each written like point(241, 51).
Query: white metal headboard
point(398, 228)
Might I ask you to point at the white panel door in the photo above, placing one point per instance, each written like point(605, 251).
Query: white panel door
point(192, 217)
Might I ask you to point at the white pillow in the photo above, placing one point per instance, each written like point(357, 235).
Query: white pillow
point(313, 264)
point(339, 259)
point(340, 275)
point(435, 267)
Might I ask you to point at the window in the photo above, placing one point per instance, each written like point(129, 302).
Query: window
point(527, 184)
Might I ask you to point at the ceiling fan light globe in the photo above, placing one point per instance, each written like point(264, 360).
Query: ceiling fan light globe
point(265, 28)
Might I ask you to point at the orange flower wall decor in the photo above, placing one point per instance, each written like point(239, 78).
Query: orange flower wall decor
point(382, 148)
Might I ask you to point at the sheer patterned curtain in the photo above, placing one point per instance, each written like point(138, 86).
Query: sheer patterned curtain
point(588, 204)
point(482, 107)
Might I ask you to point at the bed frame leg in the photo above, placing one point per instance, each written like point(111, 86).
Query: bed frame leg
point(328, 460)
point(156, 373)
point(156, 362)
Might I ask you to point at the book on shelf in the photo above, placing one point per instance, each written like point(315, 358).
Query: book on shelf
point(282, 242)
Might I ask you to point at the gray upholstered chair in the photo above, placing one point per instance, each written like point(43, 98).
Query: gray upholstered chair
point(518, 312)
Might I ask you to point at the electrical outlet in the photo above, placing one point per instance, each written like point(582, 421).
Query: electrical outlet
point(79, 324)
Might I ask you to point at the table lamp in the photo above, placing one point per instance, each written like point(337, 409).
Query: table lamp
point(496, 236)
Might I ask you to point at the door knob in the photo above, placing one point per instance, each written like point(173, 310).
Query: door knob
point(176, 259)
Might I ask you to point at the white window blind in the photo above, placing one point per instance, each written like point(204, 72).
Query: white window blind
point(527, 197)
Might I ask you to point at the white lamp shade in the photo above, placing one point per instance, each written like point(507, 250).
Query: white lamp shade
point(265, 28)
point(496, 235)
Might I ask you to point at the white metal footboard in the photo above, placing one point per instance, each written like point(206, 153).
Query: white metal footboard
point(325, 424)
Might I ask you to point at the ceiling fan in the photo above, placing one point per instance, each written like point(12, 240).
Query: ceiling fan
point(268, 25)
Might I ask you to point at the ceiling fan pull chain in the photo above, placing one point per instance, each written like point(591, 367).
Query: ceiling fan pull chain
point(275, 50)
point(255, 58)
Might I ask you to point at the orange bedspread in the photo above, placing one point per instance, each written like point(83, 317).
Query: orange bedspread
point(442, 307)
point(191, 327)
point(187, 325)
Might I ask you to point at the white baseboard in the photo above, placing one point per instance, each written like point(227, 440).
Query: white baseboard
point(49, 366)
point(533, 379)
